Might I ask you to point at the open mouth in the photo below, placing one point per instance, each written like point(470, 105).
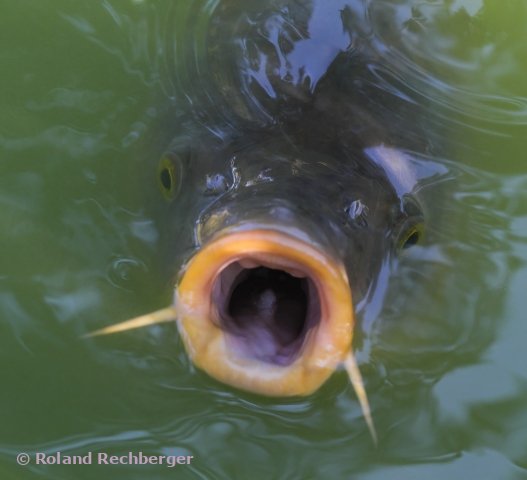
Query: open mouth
point(265, 311)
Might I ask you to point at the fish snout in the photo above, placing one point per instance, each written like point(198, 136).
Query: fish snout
point(265, 310)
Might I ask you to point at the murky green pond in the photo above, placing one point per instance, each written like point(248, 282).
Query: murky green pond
point(91, 95)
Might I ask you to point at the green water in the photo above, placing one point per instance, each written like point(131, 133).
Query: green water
point(90, 99)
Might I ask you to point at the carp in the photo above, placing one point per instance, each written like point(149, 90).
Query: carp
point(311, 188)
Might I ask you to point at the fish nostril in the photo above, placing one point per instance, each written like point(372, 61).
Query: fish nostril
point(216, 184)
point(357, 212)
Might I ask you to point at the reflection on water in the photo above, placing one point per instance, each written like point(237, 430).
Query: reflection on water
point(94, 95)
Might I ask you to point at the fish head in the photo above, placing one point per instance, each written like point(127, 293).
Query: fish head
point(290, 233)
point(266, 302)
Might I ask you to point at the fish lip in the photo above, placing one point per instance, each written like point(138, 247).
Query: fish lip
point(213, 348)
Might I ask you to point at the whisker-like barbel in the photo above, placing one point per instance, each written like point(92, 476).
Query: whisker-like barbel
point(358, 385)
point(167, 314)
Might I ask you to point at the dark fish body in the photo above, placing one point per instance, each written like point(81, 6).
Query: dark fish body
point(301, 173)
point(311, 141)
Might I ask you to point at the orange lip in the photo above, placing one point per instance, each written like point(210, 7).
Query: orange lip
point(215, 349)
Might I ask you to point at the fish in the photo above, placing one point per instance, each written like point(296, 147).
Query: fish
point(309, 193)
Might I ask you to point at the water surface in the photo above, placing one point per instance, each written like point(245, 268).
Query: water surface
point(92, 95)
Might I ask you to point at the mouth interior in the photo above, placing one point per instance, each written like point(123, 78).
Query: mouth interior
point(266, 311)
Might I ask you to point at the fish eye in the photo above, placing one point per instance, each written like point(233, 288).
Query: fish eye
point(169, 175)
point(411, 235)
